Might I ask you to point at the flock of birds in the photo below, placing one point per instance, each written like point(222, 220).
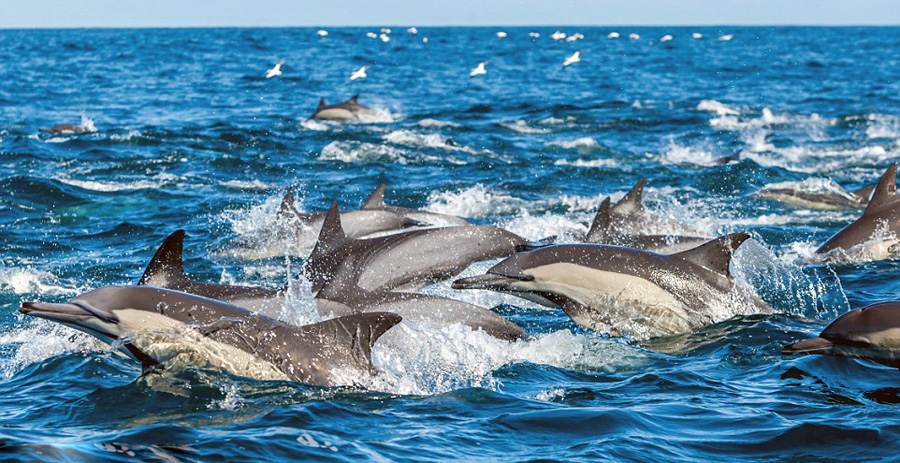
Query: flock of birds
point(367, 263)
point(481, 68)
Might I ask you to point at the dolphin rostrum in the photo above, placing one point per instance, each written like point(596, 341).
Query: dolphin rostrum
point(375, 202)
point(166, 271)
point(403, 260)
point(870, 333)
point(624, 291)
point(156, 326)
point(873, 236)
point(349, 110)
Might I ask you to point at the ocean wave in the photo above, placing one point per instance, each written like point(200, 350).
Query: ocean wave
point(882, 126)
point(25, 280)
point(354, 152)
point(522, 126)
point(424, 140)
point(434, 123)
point(586, 162)
point(158, 181)
point(245, 185)
point(720, 109)
point(580, 144)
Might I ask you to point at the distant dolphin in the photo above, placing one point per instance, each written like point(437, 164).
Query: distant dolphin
point(349, 110)
point(153, 325)
point(434, 310)
point(627, 292)
point(405, 260)
point(857, 199)
point(166, 271)
point(357, 224)
point(631, 217)
point(608, 228)
point(873, 236)
point(66, 129)
point(375, 202)
point(871, 333)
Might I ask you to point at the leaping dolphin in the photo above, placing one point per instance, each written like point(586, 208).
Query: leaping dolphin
point(871, 333)
point(349, 110)
point(624, 291)
point(873, 236)
point(375, 202)
point(403, 260)
point(155, 325)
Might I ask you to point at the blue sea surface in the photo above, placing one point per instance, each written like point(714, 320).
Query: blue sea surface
point(190, 134)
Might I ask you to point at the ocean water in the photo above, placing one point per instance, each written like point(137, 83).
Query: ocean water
point(190, 135)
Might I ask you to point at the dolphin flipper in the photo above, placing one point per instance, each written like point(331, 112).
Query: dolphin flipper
point(166, 266)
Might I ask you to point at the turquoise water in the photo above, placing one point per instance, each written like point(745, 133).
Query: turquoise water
point(190, 135)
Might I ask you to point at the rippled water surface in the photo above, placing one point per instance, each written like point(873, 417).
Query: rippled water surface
point(189, 134)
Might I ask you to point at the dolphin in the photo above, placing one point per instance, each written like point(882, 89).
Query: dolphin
point(627, 292)
point(404, 260)
point(66, 129)
point(870, 333)
point(166, 271)
point(873, 236)
point(609, 228)
point(842, 199)
point(631, 217)
point(433, 310)
point(375, 202)
point(156, 326)
point(294, 226)
point(349, 110)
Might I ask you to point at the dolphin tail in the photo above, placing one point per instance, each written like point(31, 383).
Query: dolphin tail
point(885, 192)
point(633, 201)
point(716, 254)
point(166, 265)
point(602, 224)
point(376, 199)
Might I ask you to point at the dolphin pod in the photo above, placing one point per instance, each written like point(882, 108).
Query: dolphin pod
point(225, 336)
point(166, 270)
point(627, 292)
point(874, 235)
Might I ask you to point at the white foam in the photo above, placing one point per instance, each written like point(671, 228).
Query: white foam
point(522, 127)
point(25, 280)
point(718, 108)
point(158, 181)
point(40, 340)
point(596, 163)
point(353, 152)
point(583, 143)
point(130, 135)
point(246, 185)
point(315, 125)
point(474, 201)
point(422, 140)
point(883, 126)
point(434, 123)
point(675, 153)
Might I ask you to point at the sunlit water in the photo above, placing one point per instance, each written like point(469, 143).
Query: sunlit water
point(190, 134)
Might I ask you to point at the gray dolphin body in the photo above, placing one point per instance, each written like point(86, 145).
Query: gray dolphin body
point(155, 326)
point(624, 291)
point(403, 260)
point(166, 271)
point(874, 235)
point(349, 110)
point(857, 199)
point(65, 129)
point(871, 333)
point(375, 202)
point(611, 228)
point(357, 224)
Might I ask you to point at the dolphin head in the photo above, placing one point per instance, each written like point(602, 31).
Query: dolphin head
point(871, 333)
point(80, 313)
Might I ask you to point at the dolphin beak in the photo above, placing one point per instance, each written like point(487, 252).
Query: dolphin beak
point(488, 281)
point(70, 313)
point(808, 346)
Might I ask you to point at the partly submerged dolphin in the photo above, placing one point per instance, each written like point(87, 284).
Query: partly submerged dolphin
point(873, 236)
point(404, 260)
point(631, 217)
point(433, 310)
point(609, 228)
point(166, 271)
point(66, 129)
point(375, 202)
point(840, 199)
point(349, 110)
point(624, 291)
point(871, 333)
point(157, 326)
point(357, 224)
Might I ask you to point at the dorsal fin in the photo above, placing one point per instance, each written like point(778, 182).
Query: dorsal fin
point(716, 254)
point(331, 236)
point(864, 192)
point(602, 223)
point(287, 208)
point(166, 264)
point(633, 201)
point(885, 192)
point(353, 99)
point(376, 199)
point(357, 332)
point(322, 103)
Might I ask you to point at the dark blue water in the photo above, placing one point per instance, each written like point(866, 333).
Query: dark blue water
point(189, 134)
